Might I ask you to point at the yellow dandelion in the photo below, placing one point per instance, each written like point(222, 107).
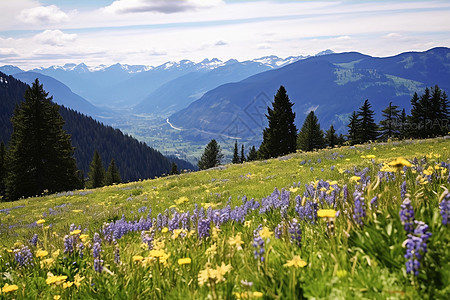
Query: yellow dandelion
point(84, 237)
point(56, 297)
point(40, 221)
point(75, 232)
point(41, 253)
point(52, 279)
point(370, 156)
point(164, 230)
point(258, 294)
point(184, 261)
point(293, 190)
point(326, 213)
point(137, 258)
point(399, 163)
point(7, 288)
point(296, 262)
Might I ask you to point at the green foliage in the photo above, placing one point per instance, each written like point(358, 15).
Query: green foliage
point(242, 158)
point(279, 138)
point(96, 172)
point(40, 155)
point(174, 170)
point(235, 159)
point(252, 154)
point(310, 136)
point(331, 138)
point(112, 174)
point(368, 128)
point(211, 157)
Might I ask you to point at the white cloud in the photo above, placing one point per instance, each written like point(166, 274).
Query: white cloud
point(43, 15)
point(311, 108)
point(160, 6)
point(8, 52)
point(392, 35)
point(221, 43)
point(55, 37)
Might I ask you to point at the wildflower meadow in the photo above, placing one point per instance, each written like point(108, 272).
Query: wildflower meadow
point(362, 222)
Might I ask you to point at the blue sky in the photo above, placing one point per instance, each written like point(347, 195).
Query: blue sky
point(37, 33)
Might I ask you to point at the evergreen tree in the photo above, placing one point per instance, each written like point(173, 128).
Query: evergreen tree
point(279, 138)
point(112, 174)
point(2, 170)
point(389, 126)
point(96, 172)
point(439, 116)
point(242, 159)
point(40, 155)
point(368, 128)
point(310, 136)
point(252, 154)
point(174, 169)
point(353, 129)
point(211, 157)
point(416, 120)
point(235, 154)
point(403, 119)
point(331, 138)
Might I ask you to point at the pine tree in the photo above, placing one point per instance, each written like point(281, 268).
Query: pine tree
point(403, 120)
point(353, 129)
point(310, 136)
point(416, 120)
point(96, 172)
point(439, 114)
point(252, 154)
point(40, 155)
point(235, 154)
point(279, 138)
point(174, 169)
point(242, 158)
point(112, 174)
point(331, 138)
point(368, 128)
point(211, 157)
point(390, 125)
point(2, 170)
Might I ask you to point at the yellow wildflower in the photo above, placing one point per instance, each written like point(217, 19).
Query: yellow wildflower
point(215, 233)
point(184, 261)
point(205, 275)
point(399, 163)
point(247, 224)
point(257, 294)
point(221, 271)
point(41, 221)
point(41, 253)
point(52, 279)
point(137, 258)
point(75, 232)
point(56, 297)
point(326, 213)
point(55, 254)
point(211, 251)
point(164, 230)
point(84, 237)
point(181, 200)
point(296, 262)
point(265, 233)
point(177, 232)
point(428, 171)
point(370, 156)
point(77, 210)
point(293, 190)
point(67, 284)
point(9, 288)
point(355, 178)
point(77, 280)
point(334, 182)
point(236, 241)
point(47, 262)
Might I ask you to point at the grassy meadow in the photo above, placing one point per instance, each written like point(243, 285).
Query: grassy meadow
point(332, 224)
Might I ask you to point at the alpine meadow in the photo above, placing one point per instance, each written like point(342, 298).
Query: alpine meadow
point(224, 149)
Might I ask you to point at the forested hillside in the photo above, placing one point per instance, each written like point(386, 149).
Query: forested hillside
point(134, 159)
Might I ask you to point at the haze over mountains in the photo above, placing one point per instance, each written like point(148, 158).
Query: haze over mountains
point(214, 98)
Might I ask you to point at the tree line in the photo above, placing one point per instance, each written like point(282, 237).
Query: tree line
point(429, 117)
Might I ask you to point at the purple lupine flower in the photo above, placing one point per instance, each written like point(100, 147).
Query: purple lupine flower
point(34, 240)
point(97, 238)
point(258, 243)
point(148, 239)
point(345, 193)
point(295, 232)
point(403, 190)
point(96, 249)
point(80, 249)
point(203, 228)
point(68, 244)
point(416, 247)
point(98, 265)
point(445, 209)
point(407, 215)
point(278, 231)
point(374, 202)
point(307, 212)
point(23, 256)
point(359, 211)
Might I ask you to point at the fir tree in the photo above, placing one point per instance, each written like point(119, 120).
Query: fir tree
point(211, 157)
point(417, 118)
point(252, 154)
point(242, 158)
point(440, 112)
point(279, 138)
point(40, 155)
point(96, 172)
point(174, 169)
point(403, 120)
point(390, 125)
point(2, 170)
point(368, 128)
point(310, 136)
point(353, 129)
point(331, 138)
point(112, 174)
point(235, 154)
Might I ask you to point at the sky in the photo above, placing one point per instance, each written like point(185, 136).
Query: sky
point(41, 33)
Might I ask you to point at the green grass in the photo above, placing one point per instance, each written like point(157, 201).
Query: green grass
point(349, 261)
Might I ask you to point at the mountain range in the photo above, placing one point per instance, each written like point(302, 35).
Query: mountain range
point(333, 85)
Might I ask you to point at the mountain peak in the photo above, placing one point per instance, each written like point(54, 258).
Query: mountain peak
point(325, 52)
